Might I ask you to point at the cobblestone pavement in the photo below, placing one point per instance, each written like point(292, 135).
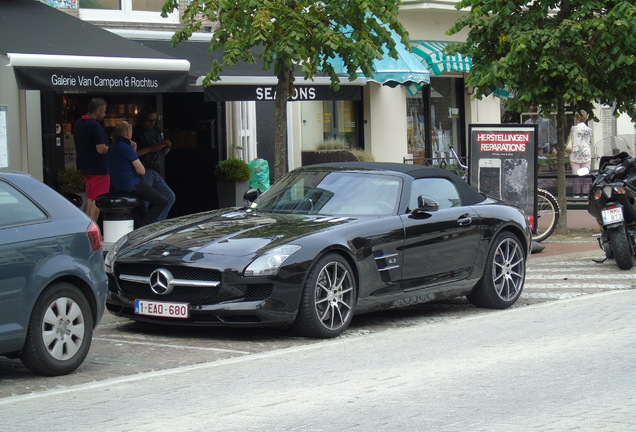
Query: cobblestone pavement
point(565, 269)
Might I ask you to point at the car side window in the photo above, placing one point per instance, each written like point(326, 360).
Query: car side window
point(16, 208)
point(440, 189)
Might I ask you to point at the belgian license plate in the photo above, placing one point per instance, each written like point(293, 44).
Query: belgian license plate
point(612, 215)
point(162, 309)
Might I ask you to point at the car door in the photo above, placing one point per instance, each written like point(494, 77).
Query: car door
point(17, 244)
point(440, 245)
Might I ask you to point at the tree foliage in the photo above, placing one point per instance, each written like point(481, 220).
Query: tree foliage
point(298, 36)
point(552, 53)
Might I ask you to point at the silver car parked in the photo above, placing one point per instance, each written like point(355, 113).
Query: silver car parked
point(52, 280)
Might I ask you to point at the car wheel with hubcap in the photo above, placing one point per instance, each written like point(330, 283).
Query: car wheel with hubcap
point(60, 331)
point(504, 274)
point(328, 299)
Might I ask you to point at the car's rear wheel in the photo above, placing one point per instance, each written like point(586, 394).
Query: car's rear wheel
point(328, 300)
point(60, 331)
point(504, 274)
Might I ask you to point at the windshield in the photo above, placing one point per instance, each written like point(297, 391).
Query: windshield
point(333, 193)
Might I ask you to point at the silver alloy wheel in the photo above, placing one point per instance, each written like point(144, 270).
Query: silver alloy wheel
point(334, 295)
point(509, 269)
point(63, 328)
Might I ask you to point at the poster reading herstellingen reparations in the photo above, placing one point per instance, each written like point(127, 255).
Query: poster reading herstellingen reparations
point(503, 163)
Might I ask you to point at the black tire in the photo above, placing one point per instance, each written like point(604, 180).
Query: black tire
point(548, 213)
point(621, 248)
point(328, 299)
point(504, 274)
point(60, 331)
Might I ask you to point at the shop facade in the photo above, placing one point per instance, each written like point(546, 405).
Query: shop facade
point(412, 123)
point(234, 117)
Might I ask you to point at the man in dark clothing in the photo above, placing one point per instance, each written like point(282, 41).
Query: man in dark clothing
point(91, 146)
point(152, 149)
point(126, 169)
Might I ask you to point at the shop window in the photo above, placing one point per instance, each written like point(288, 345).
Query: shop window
point(148, 11)
point(416, 127)
point(435, 121)
point(445, 117)
point(334, 121)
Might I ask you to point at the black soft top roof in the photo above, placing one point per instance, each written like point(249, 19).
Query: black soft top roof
point(468, 194)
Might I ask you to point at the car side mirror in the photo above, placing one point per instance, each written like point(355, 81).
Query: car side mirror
point(251, 194)
point(426, 203)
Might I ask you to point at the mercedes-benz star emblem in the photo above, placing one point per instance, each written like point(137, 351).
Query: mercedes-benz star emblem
point(161, 281)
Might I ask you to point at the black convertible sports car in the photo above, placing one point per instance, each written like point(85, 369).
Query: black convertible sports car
point(323, 243)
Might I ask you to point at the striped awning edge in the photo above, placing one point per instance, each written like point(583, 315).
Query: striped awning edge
point(433, 56)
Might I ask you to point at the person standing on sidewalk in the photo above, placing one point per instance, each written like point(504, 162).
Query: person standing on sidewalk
point(581, 156)
point(126, 170)
point(91, 146)
point(152, 149)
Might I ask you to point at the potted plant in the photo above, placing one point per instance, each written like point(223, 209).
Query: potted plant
point(232, 180)
point(69, 182)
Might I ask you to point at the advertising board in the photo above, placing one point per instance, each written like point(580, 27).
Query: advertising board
point(503, 163)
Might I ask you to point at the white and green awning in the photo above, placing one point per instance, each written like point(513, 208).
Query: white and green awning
point(433, 56)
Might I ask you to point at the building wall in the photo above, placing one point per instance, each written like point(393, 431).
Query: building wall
point(24, 132)
point(385, 133)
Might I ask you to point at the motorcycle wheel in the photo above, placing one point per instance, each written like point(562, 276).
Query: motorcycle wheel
point(621, 248)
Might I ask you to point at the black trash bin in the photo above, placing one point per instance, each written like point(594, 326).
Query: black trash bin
point(118, 215)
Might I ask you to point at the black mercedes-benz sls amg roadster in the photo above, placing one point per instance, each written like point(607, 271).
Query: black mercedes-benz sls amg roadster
point(325, 242)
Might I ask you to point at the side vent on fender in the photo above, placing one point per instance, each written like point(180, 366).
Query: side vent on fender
point(385, 262)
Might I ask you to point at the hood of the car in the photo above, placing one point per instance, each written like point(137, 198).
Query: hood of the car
point(236, 233)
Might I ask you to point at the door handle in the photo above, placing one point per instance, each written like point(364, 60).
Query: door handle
point(464, 220)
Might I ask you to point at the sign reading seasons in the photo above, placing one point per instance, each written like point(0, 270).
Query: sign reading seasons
point(101, 80)
point(219, 93)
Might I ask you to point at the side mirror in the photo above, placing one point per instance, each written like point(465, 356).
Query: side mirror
point(426, 203)
point(251, 195)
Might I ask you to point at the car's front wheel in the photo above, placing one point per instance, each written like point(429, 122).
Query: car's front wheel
point(60, 331)
point(328, 300)
point(504, 274)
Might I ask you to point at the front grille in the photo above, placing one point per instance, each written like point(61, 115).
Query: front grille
point(190, 294)
point(179, 272)
point(193, 295)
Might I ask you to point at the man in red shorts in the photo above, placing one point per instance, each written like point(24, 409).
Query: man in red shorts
point(91, 146)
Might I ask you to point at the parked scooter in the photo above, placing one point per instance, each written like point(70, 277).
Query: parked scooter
point(612, 201)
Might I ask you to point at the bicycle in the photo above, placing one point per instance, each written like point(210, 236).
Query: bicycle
point(548, 211)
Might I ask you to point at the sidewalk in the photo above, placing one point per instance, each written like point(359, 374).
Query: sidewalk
point(579, 238)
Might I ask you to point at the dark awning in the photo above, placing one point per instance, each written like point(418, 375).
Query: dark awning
point(52, 50)
point(243, 81)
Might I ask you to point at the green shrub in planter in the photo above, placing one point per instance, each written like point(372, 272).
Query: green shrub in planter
point(232, 170)
point(69, 181)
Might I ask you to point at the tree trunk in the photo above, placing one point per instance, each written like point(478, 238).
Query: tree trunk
point(561, 160)
point(283, 90)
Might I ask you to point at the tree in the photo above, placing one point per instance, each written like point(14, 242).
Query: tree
point(557, 54)
point(296, 35)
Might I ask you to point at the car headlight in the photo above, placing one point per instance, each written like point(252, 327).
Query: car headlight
point(110, 256)
point(269, 263)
